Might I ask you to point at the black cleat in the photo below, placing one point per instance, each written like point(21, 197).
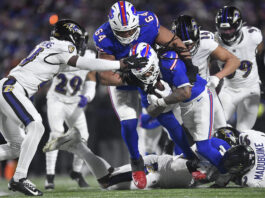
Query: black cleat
point(49, 182)
point(24, 186)
point(79, 179)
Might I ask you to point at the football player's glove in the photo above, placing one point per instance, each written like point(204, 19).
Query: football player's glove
point(132, 62)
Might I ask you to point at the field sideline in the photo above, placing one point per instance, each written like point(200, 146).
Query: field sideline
point(65, 187)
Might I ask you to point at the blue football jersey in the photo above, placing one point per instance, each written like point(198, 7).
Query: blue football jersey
point(106, 41)
point(173, 71)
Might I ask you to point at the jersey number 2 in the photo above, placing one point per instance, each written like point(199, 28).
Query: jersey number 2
point(75, 83)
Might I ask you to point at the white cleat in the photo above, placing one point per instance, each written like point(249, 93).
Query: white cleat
point(63, 142)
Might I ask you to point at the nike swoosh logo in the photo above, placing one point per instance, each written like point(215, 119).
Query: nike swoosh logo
point(198, 100)
point(34, 193)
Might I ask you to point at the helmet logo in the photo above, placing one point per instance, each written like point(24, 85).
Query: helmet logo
point(236, 16)
point(195, 26)
point(111, 14)
point(133, 10)
point(73, 28)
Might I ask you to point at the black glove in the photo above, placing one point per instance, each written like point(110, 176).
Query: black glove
point(192, 70)
point(133, 62)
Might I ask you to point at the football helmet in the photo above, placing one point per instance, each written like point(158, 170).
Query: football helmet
point(239, 159)
point(70, 30)
point(151, 71)
point(228, 22)
point(228, 134)
point(124, 22)
point(187, 29)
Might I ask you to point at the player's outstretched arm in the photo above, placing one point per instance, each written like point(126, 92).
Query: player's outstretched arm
point(87, 63)
point(231, 61)
point(167, 38)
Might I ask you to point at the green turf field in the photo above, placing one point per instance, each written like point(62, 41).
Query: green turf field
point(65, 187)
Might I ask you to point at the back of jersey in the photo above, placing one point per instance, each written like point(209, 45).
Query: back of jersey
point(256, 140)
point(43, 63)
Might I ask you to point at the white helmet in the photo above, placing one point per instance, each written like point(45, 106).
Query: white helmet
point(123, 18)
point(151, 71)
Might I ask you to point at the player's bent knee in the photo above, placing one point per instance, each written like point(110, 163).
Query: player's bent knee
point(15, 146)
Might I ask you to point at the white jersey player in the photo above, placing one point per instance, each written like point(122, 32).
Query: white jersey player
point(68, 95)
point(202, 46)
point(21, 124)
point(246, 162)
point(241, 92)
point(255, 176)
point(162, 171)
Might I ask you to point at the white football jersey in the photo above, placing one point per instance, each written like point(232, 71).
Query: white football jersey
point(67, 86)
point(247, 74)
point(206, 47)
point(46, 60)
point(256, 140)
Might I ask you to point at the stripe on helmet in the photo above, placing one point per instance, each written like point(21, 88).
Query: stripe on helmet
point(182, 33)
point(147, 50)
point(123, 13)
point(134, 49)
point(187, 33)
point(226, 15)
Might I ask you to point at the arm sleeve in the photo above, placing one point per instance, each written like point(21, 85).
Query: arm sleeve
point(89, 90)
point(90, 64)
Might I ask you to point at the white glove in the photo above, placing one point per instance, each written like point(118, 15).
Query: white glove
point(166, 92)
point(153, 99)
point(213, 81)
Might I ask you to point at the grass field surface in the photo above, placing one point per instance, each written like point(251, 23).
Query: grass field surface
point(65, 187)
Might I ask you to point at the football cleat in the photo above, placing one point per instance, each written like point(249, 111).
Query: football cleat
point(138, 174)
point(198, 175)
point(49, 182)
point(63, 142)
point(24, 186)
point(79, 179)
point(139, 179)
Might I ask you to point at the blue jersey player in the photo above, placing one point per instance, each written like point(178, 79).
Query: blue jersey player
point(113, 40)
point(196, 102)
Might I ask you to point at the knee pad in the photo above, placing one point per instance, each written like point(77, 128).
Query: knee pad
point(35, 127)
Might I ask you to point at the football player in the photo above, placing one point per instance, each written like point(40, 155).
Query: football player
point(21, 124)
point(241, 91)
point(202, 46)
point(246, 166)
point(113, 40)
point(67, 97)
point(196, 102)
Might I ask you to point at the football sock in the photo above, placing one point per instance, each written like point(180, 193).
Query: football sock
point(34, 132)
point(176, 132)
point(96, 165)
point(51, 158)
point(130, 137)
point(77, 164)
